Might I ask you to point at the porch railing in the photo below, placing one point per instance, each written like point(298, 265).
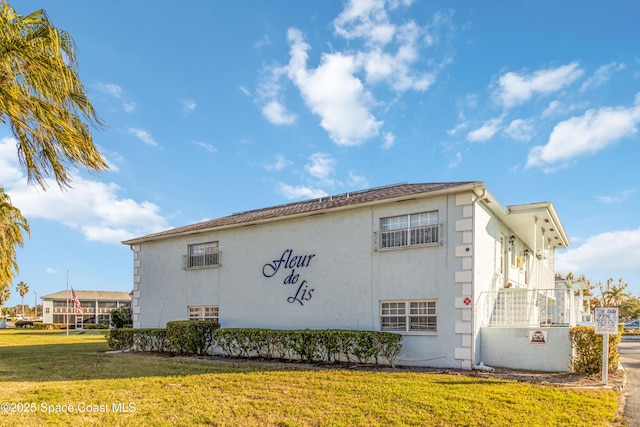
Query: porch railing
point(529, 307)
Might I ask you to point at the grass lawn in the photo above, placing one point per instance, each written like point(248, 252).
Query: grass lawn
point(49, 378)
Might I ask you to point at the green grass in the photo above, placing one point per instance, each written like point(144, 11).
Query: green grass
point(42, 369)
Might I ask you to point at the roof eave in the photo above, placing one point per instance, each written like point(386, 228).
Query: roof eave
point(471, 186)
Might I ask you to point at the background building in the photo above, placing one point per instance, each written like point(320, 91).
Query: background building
point(96, 306)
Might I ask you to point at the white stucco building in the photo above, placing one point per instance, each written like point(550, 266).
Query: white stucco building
point(463, 278)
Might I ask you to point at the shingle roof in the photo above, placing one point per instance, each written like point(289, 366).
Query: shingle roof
point(91, 295)
point(309, 206)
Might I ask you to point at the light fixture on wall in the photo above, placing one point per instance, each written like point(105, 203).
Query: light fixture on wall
point(512, 239)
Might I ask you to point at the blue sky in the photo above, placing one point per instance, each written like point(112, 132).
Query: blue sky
point(219, 107)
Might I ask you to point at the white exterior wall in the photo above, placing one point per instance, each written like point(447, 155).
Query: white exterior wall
point(47, 317)
point(511, 348)
point(346, 278)
point(486, 266)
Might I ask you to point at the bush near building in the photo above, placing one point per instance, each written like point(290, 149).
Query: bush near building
point(199, 337)
point(587, 347)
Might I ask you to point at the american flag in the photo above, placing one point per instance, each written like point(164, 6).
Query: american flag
point(75, 300)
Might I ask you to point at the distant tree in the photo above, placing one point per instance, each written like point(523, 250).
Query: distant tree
point(615, 295)
point(23, 289)
point(11, 225)
point(45, 104)
point(630, 309)
point(121, 317)
point(5, 294)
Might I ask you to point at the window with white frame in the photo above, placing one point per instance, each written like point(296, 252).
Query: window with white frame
point(204, 312)
point(201, 255)
point(409, 316)
point(409, 230)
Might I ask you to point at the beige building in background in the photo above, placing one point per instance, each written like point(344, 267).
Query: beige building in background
point(96, 306)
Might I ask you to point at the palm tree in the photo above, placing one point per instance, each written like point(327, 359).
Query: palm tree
point(5, 294)
point(11, 225)
point(616, 295)
point(23, 289)
point(45, 104)
point(43, 99)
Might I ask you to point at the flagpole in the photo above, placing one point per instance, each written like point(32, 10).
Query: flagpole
point(67, 303)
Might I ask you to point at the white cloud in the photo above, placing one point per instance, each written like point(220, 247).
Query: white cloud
point(339, 91)
point(589, 133)
point(111, 89)
point(268, 96)
point(94, 208)
point(50, 270)
point(455, 161)
point(365, 19)
point(264, 41)
point(10, 169)
point(277, 114)
point(129, 107)
point(552, 109)
point(188, 105)
point(520, 130)
point(280, 163)
point(117, 92)
point(514, 88)
point(610, 254)
point(143, 136)
point(321, 167)
point(617, 198)
point(486, 131)
point(333, 93)
point(357, 181)
point(244, 90)
point(601, 76)
point(299, 192)
point(210, 148)
point(389, 140)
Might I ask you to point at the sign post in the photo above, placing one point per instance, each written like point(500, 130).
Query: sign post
point(606, 323)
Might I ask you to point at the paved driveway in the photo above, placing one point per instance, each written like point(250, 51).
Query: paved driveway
point(630, 358)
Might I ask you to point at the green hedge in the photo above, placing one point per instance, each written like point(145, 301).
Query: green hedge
point(40, 325)
point(191, 336)
point(587, 350)
point(330, 345)
point(199, 337)
point(121, 339)
point(181, 337)
point(150, 339)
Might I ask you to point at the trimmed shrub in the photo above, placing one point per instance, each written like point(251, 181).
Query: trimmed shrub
point(120, 339)
point(151, 339)
point(191, 336)
point(24, 324)
point(95, 326)
point(40, 325)
point(331, 345)
point(587, 349)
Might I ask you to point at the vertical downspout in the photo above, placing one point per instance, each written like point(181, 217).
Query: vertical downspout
point(473, 281)
point(474, 312)
point(536, 284)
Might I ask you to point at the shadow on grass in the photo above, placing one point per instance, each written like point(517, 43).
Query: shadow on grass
point(52, 356)
point(88, 361)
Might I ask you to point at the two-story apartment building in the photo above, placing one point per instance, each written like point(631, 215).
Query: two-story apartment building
point(96, 307)
point(435, 262)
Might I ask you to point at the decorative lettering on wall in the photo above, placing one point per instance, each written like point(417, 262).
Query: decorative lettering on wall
point(291, 262)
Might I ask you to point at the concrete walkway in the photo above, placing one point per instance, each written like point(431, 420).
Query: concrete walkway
point(630, 359)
